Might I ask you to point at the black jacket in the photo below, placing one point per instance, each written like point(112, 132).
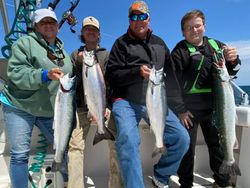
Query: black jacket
point(102, 58)
point(126, 57)
point(184, 64)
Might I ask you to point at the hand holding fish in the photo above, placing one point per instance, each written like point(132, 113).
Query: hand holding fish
point(55, 74)
point(230, 53)
point(107, 113)
point(186, 119)
point(80, 57)
point(93, 120)
point(145, 71)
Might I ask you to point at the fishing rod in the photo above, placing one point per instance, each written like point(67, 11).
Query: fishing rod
point(71, 19)
point(53, 5)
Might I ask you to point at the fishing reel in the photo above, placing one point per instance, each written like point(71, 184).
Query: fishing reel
point(71, 19)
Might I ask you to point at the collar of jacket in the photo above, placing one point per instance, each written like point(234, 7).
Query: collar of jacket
point(133, 37)
point(58, 51)
point(58, 43)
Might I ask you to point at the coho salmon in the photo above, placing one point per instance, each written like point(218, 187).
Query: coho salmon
point(156, 103)
point(64, 118)
point(95, 95)
point(224, 116)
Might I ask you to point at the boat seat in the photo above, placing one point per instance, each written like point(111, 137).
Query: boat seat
point(243, 116)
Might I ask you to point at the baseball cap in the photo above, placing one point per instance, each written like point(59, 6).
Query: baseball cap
point(92, 21)
point(140, 6)
point(39, 14)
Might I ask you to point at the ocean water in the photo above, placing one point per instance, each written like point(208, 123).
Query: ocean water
point(238, 96)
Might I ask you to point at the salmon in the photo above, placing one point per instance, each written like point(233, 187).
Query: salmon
point(224, 116)
point(95, 96)
point(156, 103)
point(64, 118)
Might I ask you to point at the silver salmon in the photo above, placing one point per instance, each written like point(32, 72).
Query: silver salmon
point(224, 116)
point(95, 95)
point(156, 103)
point(64, 118)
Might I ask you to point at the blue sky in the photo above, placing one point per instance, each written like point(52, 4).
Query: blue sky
point(226, 20)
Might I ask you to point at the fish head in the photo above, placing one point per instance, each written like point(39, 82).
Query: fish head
point(67, 82)
point(156, 76)
point(219, 59)
point(89, 60)
point(220, 71)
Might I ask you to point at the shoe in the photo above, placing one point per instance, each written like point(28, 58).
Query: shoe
point(215, 185)
point(158, 184)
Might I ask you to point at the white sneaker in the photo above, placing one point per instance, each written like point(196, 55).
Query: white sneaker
point(158, 184)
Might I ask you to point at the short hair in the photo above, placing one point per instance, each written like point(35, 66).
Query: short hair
point(190, 15)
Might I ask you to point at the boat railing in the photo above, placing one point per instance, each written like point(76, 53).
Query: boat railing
point(243, 95)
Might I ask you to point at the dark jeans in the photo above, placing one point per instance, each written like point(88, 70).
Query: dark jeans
point(210, 133)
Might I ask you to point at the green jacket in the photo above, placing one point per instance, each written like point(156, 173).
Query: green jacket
point(25, 88)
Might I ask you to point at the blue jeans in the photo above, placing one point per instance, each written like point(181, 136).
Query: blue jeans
point(19, 126)
point(127, 116)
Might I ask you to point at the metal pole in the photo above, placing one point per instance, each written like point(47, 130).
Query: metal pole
point(5, 17)
point(16, 2)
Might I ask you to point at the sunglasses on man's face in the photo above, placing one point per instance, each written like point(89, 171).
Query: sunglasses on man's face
point(141, 17)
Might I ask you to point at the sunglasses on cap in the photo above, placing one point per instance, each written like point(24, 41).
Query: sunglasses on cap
point(141, 17)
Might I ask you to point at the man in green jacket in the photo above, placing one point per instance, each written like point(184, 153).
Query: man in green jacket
point(37, 62)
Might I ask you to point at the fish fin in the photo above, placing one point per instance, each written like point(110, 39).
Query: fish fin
point(232, 169)
point(236, 144)
point(159, 151)
point(107, 135)
point(55, 166)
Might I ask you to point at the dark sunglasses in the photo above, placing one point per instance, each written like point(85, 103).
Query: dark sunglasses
point(141, 17)
point(56, 60)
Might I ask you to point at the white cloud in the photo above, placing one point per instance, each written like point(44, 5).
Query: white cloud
point(243, 74)
point(243, 48)
point(10, 5)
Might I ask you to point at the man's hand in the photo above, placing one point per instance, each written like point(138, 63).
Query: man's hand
point(55, 74)
point(79, 58)
point(145, 71)
point(92, 119)
point(230, 53)
point(107, 113)
point(186, 119)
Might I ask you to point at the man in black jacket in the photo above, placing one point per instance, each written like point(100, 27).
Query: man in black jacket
point(128, 72)
point(193, 59)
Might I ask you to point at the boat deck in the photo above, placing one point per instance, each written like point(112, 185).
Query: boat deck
point(97, 163)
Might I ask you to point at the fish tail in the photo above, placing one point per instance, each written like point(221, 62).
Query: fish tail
point(107, 135)
point(159, 151)
point(232, 169)
point(56, 166)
